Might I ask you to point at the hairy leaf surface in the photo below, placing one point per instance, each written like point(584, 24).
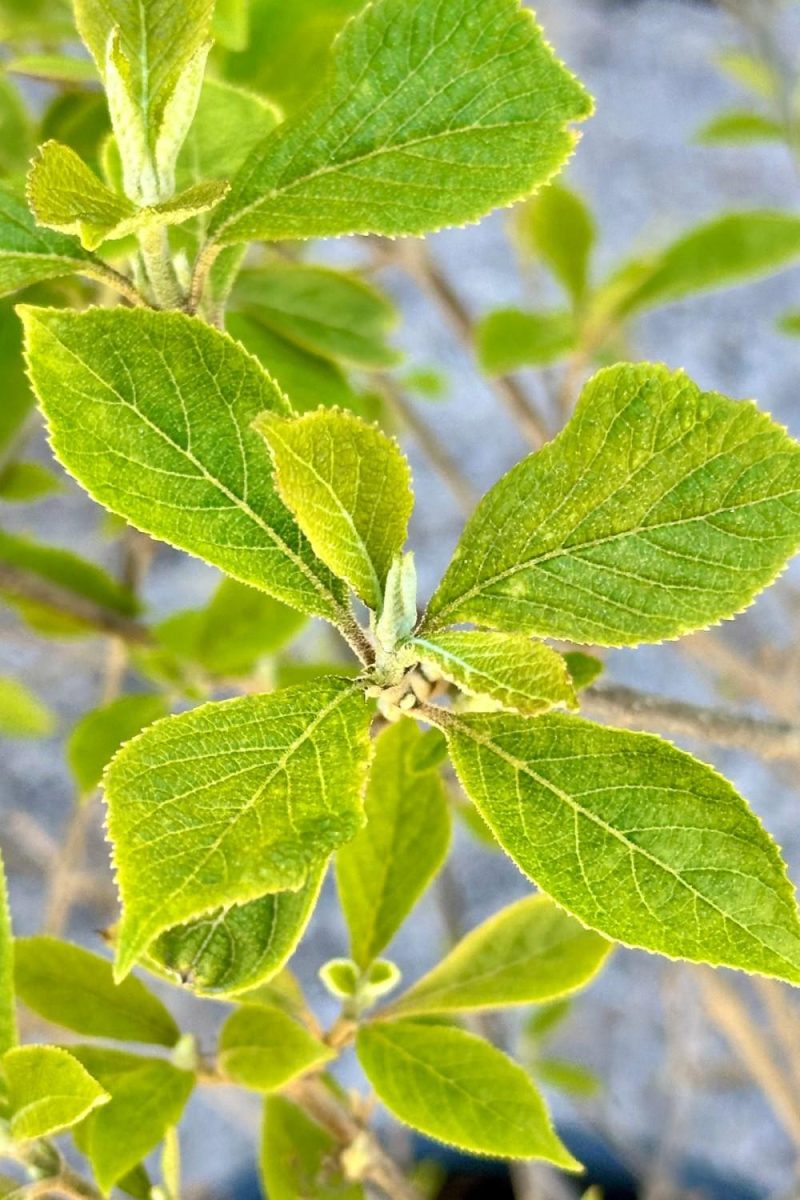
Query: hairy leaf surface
point(48, 1090)
point(528, 953)
point(263, 1048)
point(67, 196)
point(659, 509)
point(349, 486)
point(382, 873)
point(151, 412)
point(431, 115)
point(73, 988)
point(459, 1089)
point(233, 801)
point(576, 806)
point(239, 948)
point(510, 669)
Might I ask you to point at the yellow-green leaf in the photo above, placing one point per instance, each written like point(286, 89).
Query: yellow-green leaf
point(509, 669)
point(528, 953)
point(233, 801)
point(459, 1089)
point(382, 873)
point(349, 486)
point(430, 116)
point(659, 509)
point(263, 1048)
point(73, 988)
point(577, 806)
point(239, 948)
point(151, 411)
point(48, 1090)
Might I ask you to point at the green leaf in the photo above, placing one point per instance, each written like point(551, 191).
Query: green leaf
point(53, 68)
point(65, 570)
point(383, 872)
point(239, 626)
point(148, 1097)
point(73, 988)
point(509, 339)
point(288, 47)
point(40, 20)
point(749, 70)
point(228, 124)
point(583, 668)
point(459, 1089)
point(151, 412)
point(658, 510)
point(509, 669)
point(349, 486)
point(428, 117)
point(528, 953)
point(730, 249)
point(16, 130)
point(22, 714)
point(17, 402)
point(330, 313)
point(29, 254)
point(567, 1077)
point(239, 948)
point(231, 23)
point(790, 323)
point(48, 1090)
point(636, 838)
point(557, 227)
point(740, 126)
point(22, 482)
point(299, 1159)
point(245, 796)
point(263, 1048)
point(80, 120)
point(8, 1014)
point(150, 55)
point(309, 380)
point(100, 733)
point(67, 196)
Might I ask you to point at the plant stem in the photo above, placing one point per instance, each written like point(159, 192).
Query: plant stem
point(373, 1164)
point(102, 272)
point(205, 261)
point(416, 259)
point(768, 738)
point(28, 586)
point(154, 245)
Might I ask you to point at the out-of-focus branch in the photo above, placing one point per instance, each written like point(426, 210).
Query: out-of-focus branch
point(28, 586)
point(362, 1156)
point(625, 706)
point(414, 257)
point(731, 1015)
point(429, 444)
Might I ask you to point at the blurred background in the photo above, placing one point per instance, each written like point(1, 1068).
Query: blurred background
point(674, 1082)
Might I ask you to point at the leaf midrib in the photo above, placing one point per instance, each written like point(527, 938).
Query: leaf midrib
point(237, 501)
point(520, 766)
point(575, 551)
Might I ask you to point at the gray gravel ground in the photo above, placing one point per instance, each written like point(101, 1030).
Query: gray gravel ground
point(664, 1096)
